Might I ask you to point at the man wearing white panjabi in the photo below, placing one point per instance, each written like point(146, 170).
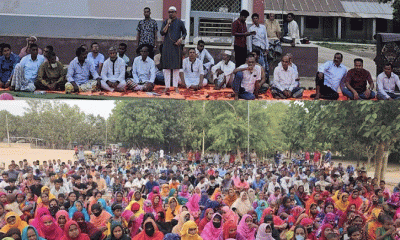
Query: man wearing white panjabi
point(113, 72)
point(222, 72)
point(192, 73)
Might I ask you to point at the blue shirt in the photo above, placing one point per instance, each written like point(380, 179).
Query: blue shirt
point(150, 185)
point(258, 185)
point(99, 59)
point(80, 73)
point(7, 66)
point(333, 74)
point(31, 68)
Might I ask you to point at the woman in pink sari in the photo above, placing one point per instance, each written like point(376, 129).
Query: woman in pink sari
point(213, 228)
point(247, 228)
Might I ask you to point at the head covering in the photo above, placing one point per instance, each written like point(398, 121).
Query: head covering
point(242, 206)
point(185, 231)
point(18, 223)
point(244, 230)
point(181, 221)
point(39, 213)
point(262, 235)
point(262, 204)
point(164, 190)
point(143, 236)
point(62, 213)
point(113, 226)
point(230, 215)
point(169, 215)
point(340, 205)
point(204, 221)
point(172, 8)
point(227, 52)
point(210, 232)
point(193, 205)
point(73, 209)
point(325, 226)
point(86, 227)
point(81, 236)
point(147, 206)
point(217, 192)
point(229, 200)
point(24, 235)
point(51, 232)
point(134, 228)
point(51, 196)
point(157, 206)
point(227, 227)
point(105, 207)
point(184, 193)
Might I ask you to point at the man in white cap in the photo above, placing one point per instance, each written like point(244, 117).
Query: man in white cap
point(174, 32)
point(222, 72)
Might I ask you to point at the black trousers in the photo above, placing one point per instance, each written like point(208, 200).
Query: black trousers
point(240, 55)
point(325, 91)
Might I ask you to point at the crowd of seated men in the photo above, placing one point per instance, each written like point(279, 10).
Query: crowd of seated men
point(36, 69)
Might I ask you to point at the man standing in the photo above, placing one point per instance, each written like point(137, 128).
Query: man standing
point(203, 54)
point(285, 85)
point(222, 72)
point(8, 61)
point(293, 32)
point(386, 83)
point(174, 32)
point(356, 82)
point(329, 78)
point(113, 72)
point(51, 74)
point(274, 35)
point(259, 41)
point(79, 70)
point(247, 77)
point(143, 72)
point(192, 73)
point(239, 31)
point(147, 32)
point(96, 57)
point(25, 73)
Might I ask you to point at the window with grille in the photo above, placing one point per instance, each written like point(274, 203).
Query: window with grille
point(232, 6)
point(215, 27)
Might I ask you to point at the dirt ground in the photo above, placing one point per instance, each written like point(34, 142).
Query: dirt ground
point(19, 153)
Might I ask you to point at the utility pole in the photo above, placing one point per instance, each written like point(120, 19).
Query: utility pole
point(8, 132)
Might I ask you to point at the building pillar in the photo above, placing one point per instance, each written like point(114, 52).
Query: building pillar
point(302, 26)
point(339, 28)
point(187, 20)
point(373, 28)
point(258, 7)
point(245, 4)
point(175, 3)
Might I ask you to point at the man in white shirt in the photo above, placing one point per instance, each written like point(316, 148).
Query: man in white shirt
point(259, 41)
point(222, 72)
point(192, 72)
point(247, 77)
point(329, 78)
point(293, 34)
point(285, 85)
point(386, 83)
point(113, 72)
point(203, 54)
point(143, 72)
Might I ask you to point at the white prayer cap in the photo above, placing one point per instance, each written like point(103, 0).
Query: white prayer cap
point(227, 52)
point(172, 8)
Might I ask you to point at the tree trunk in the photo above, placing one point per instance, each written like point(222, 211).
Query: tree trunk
point(372, 156)
point(379, 160)
point(384, 162)
point(239, 155)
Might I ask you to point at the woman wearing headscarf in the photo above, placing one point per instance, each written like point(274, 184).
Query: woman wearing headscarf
point(261, 205)
point(264, 232)
point(355, 199)
point(148, 207)
point(172, 210)
point(325, 230)
point(13, 221)
point(2, 216)
point(39, 213)
point(230, 232)
point(184, 217)
point(312, 200)
point(49, 229)
point(62, 217)
point(137, 198)
point(105, 206)
point(44, 204)
point(207, 217)
point(230, 198)
point(120, 199)
point(216, 192)
point(275, 232)
point(174, 194)
point(213, 228)
point(185, 192)
point(252, 195)
point(373, 224)
point(73, 232)
point(133, 218)
point(99, 217)
point(242, 204)
point(296, 215)
point(117, 232)
point(150, 231)
point(54, 207)
point(229, 215)
point(342, 203)
point(351, 209)
point(78, 207)
point(312, 212)
point(164, 191)
point(190, 231)
point(247, 228)
point(194, 207)
point(328, 208)
point(156, 201)
point(87, 227)
point(45, 189)
point(155, 190)
point(28, 232)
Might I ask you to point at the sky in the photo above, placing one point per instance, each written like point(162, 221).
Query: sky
point(96, 107)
